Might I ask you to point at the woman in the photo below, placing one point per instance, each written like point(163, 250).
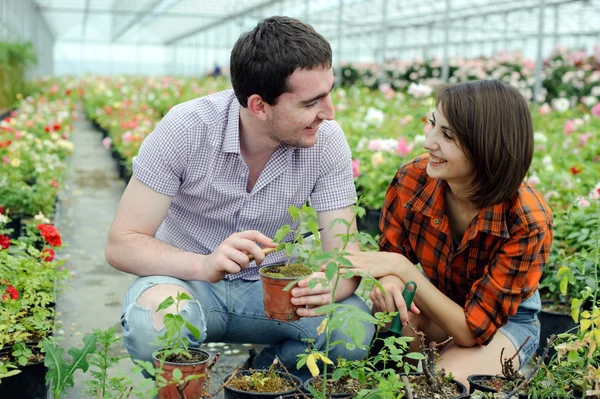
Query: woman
point(480, 234)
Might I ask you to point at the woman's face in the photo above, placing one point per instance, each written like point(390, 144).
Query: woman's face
point(447, 161)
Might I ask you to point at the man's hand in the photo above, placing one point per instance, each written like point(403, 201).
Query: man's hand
point(231, 256)
point(392, 300)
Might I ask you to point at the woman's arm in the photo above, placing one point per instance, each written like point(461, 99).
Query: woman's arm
point(429, 300)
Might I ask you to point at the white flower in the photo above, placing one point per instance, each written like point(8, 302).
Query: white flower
point(540, 137)
point(65, 144)
point(374, 117)
point(596, 91)
point(3, 219)
point(534, 180)
point(41, 218)
point(419, 90)
point(589, 101)
point(420, 138)
point(560, 104)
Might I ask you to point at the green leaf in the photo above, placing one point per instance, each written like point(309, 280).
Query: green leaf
point(177, 375)
point(573, 356)
point(564, 283)
point(289, 248)
point(282, 232)
point(330, 271)
point(415, 356)
point(61, 371)
point(165, 304)
point(182, 296)
point(294, 212)
point(195, 331)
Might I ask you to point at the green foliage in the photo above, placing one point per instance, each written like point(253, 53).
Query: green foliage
point(173, 341)
point(60, 371)
point(14, 59)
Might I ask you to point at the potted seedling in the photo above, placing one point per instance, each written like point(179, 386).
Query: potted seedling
point(278, 280)
point(181, 370)
point(261, 384)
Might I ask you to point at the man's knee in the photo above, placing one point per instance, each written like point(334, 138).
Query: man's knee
point(155, 295)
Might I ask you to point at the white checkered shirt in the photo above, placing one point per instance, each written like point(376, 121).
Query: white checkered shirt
point(194, 156)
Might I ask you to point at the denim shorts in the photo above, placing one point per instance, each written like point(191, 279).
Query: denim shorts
point(525, 324)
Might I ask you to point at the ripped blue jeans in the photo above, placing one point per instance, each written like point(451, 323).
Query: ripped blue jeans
point(233, 312)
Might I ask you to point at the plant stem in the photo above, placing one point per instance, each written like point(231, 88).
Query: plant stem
point(289, 375)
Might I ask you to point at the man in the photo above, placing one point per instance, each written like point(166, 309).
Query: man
point(213, 182)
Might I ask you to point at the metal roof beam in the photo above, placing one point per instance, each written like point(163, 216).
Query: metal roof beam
point(221, 21)
point(140, 16)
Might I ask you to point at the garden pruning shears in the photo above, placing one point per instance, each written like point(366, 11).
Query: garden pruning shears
point(408, 294)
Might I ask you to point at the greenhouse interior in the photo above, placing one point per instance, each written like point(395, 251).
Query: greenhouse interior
point(426, 175)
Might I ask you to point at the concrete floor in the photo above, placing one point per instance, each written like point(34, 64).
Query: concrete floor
point(92, 298)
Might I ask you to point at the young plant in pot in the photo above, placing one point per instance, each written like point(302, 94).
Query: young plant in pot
point(22, 372)
point(261, 384)
point(278, 280)
point(180, 370)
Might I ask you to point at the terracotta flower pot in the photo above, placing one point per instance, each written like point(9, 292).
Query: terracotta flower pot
point(278, 303)
point(194, 388)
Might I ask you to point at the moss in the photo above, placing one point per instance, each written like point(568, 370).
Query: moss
point(290, 271)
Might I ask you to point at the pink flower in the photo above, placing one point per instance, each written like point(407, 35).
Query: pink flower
point(403, 148)
point(18, 134)
point(582, 202)
point(569, 127)
point(584, 137)
point(534, 180)
point(355, 168)
point(106, 142)
point(5, 160)
point(127, 137)
point(374, 145)
point(54, 88)
point(545, 109)
point(596, 110)
point(53, 183)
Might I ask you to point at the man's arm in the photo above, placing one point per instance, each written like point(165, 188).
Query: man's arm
point(132, 248)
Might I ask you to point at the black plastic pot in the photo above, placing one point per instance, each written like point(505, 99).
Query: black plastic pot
point(341, 395)
point(30, 383)
point(232, 393)
point(16, 224)
point(475, 384)
point(552, 323)
point(370, 222)
point(461, 388)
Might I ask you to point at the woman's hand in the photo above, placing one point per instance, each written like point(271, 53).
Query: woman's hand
point(378, 264)
point(392, 300)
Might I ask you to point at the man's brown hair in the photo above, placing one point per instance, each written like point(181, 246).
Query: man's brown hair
point(492, 124)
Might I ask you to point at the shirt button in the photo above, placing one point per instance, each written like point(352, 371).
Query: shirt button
point(436, 221)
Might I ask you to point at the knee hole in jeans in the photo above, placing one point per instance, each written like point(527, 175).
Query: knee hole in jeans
point(152, 297)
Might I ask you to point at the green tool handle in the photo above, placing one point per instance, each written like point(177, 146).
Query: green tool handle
point(408, 294)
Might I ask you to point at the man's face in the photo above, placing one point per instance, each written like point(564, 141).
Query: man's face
point(295, 118)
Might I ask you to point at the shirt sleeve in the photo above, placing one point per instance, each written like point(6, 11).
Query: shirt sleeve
point(394, 237)
point(334, 188)
point(512, 276)
point(163, 155)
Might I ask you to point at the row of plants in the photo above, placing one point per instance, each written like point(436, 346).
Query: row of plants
point(567, 73)
point(34, 145)
point(15, 58)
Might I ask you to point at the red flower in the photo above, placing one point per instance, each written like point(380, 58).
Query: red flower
point(56, 127)
point(12, 292)
point(67, 92)
point(47, 129)
point(50, 234)
point(48, 255)
point(575, 170)
point(4, 241)
point(1, 210)
point(53, 183)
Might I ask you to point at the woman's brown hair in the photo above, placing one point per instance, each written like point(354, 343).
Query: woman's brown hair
point(492, 124)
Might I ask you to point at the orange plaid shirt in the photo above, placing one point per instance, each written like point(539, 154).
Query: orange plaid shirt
point(499, 260)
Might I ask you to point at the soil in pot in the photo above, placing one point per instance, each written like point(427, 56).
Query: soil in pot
point(260, 384)
point(491, 383)
point(343, 387)
point(449, 388)
point(188, 366)
point(30, 382)
point(278, 303)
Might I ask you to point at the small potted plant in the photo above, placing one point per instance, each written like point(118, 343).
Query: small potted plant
point(278, 280)
point(261, 384)
point(180, 370)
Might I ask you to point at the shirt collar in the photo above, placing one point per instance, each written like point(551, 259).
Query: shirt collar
point(231, 140)
point(430, 202)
